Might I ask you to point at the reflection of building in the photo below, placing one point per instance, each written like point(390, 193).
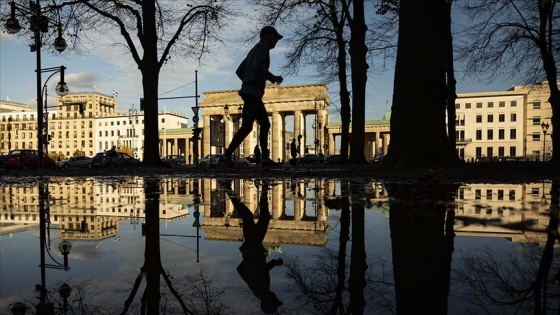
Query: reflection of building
point(301, 220)
point(82, 210)
point(503, 210)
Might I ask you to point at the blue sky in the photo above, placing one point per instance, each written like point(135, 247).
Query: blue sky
point(111, 69)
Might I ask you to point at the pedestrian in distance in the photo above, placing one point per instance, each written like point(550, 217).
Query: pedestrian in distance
point(293, 152)
point(112, 155)
point(257, 153)
point(253, 73)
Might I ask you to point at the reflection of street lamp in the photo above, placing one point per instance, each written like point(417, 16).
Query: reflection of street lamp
point(64, 247)
point(544, 130)
point(39, 23)
point(543, 197)
point(64, 291)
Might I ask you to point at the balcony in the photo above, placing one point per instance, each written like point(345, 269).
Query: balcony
point(463, 141)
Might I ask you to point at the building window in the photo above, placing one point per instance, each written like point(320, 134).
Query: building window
point(479, 105)
point(513, 134)
point(479, 135)
point(502, 104)
point(537, 136)
point(490, 104)
point(490, 118)
point(500, 194)
point(536, 121)
point(490, 134)
point(511, 195)
point(478, 152)
point(488, 194)
point(513, 117)
point(457, 106)
point(467, 105)
point(501, 134)
point(536, 105)
point(501, 152)
point(513, 103)
point(501, 117)
point(478, 118)
point(490, 152)
point(512, 151)
point(477, 194)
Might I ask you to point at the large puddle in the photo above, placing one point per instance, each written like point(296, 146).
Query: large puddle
point(305, 246)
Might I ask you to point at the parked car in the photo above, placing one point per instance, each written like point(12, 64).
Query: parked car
point(212, 159)
point(102, 159)
point(332, 159)
point(312, 159)
point(27, 159)
point(75, 161)
point(174, 160)
point(251, 158)
point(378, 158)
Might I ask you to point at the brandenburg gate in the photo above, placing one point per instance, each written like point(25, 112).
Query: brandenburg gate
point(298, 101)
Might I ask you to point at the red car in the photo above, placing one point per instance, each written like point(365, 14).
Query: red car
point(26, 159)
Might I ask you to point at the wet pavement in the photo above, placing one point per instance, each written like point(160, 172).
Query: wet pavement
point(357, 239)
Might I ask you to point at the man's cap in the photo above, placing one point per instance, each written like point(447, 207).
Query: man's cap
point(272, 31)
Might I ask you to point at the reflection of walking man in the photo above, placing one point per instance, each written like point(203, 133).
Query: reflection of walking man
point(254, 269)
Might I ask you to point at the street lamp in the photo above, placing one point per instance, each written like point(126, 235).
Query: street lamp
point(133, 113)
point(9, 134)
point(544, 130)
point(39, 23)
point(61, 90)
point(226, 112)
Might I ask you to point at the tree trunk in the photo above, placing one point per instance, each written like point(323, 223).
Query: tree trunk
point(345, 109)
point(359, 66)
point(418, 130)
point(150, 68)
point(547, 51)
point(451, 82)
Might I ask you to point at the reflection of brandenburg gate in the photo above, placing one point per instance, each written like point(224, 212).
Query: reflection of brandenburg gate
point(297, 218)
point(298, 101)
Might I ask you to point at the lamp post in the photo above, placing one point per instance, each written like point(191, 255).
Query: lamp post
point(9, 134)
point(61, 90)
point(544, 130)
point(133, 113)
point(39, 23)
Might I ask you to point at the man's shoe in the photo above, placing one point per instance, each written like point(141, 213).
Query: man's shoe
point(226, 162)
point(270, 163)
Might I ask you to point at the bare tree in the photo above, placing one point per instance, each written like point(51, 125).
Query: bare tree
point(519, 38)
point(423, 83)
point(320, 37)
point(152, 32)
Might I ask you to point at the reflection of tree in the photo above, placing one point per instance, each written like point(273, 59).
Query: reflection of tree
point(516, 284)
point(152, 270)
point(320, 286)
point(421, 248)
